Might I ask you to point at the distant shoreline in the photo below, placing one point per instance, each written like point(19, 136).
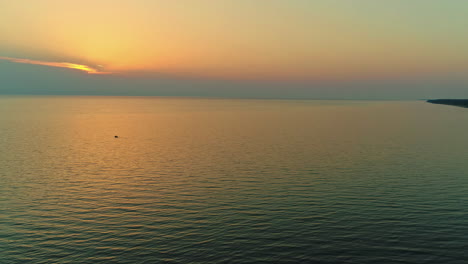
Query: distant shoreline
point(454, 102)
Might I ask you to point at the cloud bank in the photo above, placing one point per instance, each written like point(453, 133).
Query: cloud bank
point(68, 65)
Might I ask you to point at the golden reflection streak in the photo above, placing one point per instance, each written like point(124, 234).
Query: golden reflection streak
point(67, 65)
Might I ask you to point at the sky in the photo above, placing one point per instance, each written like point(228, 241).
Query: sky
point(319, 49)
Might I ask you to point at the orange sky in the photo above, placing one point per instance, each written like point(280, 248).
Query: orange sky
point(242, 39)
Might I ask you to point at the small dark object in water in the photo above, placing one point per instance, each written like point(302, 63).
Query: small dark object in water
point(116, 136)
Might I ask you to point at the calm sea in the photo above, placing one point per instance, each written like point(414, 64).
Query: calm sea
point(231, 181)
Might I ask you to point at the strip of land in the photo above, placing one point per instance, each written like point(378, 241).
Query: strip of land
point(454, 102)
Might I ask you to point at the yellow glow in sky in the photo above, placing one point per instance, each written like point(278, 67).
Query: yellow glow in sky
point(240, 39)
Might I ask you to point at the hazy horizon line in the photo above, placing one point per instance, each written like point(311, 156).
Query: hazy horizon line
point(216, 97)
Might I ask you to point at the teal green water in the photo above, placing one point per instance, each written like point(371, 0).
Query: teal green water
point(231, 181)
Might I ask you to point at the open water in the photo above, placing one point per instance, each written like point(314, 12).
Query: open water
point(232, 181)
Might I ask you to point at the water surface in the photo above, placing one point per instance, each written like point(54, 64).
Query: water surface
point(231, 181)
